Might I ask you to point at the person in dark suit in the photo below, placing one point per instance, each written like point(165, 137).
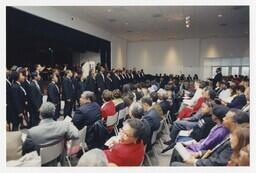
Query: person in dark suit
point(151, 115)
point(53, 93)
point(89, 111)
point(18, 98)
point(217, 77)
point(116, 81)
point(101, 85)
point(109, 82)
point(90, 82)
point(36, 99)
point(68, 94)
point(9, 105)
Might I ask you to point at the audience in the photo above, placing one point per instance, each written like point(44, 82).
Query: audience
point(148, 98)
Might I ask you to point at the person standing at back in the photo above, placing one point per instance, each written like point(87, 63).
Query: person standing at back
point(68, 93)
point(53, 93)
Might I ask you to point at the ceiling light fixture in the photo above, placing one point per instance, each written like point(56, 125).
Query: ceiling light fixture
point(109, 10)
point(187, 25)
point(219, 15)
point(187, 17)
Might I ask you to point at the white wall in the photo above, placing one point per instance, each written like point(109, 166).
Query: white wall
point(118, 45)
point(175, 56)
point(184, 56)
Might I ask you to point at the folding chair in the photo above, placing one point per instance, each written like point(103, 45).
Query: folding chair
point(112, 121)
point(51, 152)
point(153, 142)
point(121, 116)
point(75, 145)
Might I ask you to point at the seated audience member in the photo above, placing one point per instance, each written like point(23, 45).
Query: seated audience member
point(221, 154)
point(188, 110)
point(244, 156)
point(48, 131)
point(238, 101)
point(117, 100)
point(136, 111)
point(216, 135)
point(155, 105)
point(239, 138)
point(235, 117)
point(198, 87)
point(163, 96)
point(128, 98)
point(225, 91)
point(201, 117)
point(89, 111)
point(151, 115)
point(108, 107)
point(94, 157)
point(128, 149)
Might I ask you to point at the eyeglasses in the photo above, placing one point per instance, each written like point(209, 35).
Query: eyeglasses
point(125, 133)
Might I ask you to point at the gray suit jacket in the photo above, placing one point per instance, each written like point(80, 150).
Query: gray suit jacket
point(49, 132)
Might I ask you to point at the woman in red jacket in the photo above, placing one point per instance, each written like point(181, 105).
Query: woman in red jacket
point(127, 149)
point(188, 111)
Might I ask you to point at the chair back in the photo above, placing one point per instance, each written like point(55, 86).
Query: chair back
point(112, 120)
point(122, 113)
point(156, 132)
point(51, 152)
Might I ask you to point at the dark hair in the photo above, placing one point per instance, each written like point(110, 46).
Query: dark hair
point(137, 126)
point(128, 98)
point(241, 88)
point(220, 111)
point(202, 84)
point(147, 100)
point(34, 74)
point(240, 116)
point(212, 94)
point(154, 96)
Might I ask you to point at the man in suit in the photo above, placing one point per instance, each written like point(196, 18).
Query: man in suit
point(116, 81)
point(100, 82)
point(48, 132)
point(109, 82)
point(68, 93)
point(9, 108)
point(89, 111)
point(151, 115)
point(53, 93)
point(36, 99)
point(18, 97)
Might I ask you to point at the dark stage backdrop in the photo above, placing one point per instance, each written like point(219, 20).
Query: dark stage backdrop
point(31, 40)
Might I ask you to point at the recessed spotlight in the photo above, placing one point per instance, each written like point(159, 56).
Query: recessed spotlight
point(109, 10)
point(187, 25)
point(187, 17)
point(126, 23)
point(187, 21)
point(219, 15)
